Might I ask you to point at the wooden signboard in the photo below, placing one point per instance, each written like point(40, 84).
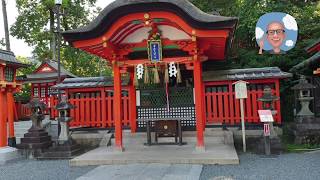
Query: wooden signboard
point(241, 89)
point(265, 116)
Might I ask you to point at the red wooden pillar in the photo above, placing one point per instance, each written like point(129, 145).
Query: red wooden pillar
point(199, 98)
point(132, 106)
point(278, 107)
point(10, 103)
point(104, 118)
point(3, 120)
point(203, 101)
point(117, 105)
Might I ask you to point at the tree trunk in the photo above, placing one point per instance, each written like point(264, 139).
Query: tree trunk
point(5, 21)
point(53, 38)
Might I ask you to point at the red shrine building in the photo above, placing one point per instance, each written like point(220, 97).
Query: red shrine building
point(8, 86)
point(170, 52)
point(43, 78)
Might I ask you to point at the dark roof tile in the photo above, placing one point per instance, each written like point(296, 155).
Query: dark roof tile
point(245, 74)
point(10, 58)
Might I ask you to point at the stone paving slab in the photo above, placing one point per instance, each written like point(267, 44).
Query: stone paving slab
point(8, 154)
point(145, 172)
point(216, 152)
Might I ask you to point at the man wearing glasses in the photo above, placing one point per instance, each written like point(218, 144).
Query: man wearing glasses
point(275, 35)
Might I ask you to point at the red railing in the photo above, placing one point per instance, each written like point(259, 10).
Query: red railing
point(92, 110)
point(221, 104)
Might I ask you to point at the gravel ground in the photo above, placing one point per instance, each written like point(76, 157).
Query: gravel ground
point(41, 170)
point(302, 166)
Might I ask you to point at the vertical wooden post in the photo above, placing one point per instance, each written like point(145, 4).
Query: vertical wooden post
point(243, 126)
point(278, 106)
point(132, 106)
point(3, 120)
point(10, 104)
point(117, 105)
point(104, 108)
point(198, 87)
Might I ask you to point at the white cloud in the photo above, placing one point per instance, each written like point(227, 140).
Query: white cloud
point(259, 33)
point(290, 23)
point(289, 43)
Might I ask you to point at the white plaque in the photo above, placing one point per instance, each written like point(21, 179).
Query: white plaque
point(137, 97)
point(241, 89)
point(265, 116)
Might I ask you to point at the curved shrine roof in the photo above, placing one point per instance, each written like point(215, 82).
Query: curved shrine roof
point(119, 8)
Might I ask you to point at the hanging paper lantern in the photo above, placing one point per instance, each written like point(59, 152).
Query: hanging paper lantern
point(139, 71)
point(172, 70)
point(179, 79)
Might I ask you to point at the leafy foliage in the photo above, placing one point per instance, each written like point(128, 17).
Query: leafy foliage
point(245, 49)
point(25, 93)
point(35, 25)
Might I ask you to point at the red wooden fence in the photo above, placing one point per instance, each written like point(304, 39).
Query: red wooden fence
point(221, 104)
point(21, 111)
point(93, 110)
point(96, 109)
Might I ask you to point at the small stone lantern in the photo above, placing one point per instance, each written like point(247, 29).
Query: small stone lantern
point(271, 143)
point(268, 99)
point(64, 118)
point(37, 139)
point(303, 88)
point(37, 110)
point(66, 147)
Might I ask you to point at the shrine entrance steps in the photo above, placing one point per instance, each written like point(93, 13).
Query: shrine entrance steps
point(219, 150)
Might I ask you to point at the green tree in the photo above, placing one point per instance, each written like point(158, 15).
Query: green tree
point(35, 25)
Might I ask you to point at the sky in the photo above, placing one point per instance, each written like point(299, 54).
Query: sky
point(19, 47)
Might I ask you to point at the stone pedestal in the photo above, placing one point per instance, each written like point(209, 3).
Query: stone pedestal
point(306, 130)
point(34, 142)
point(276, 146)
point(67, 150)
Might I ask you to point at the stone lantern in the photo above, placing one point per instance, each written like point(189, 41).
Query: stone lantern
point(268, 99)
point(306, 128)
point(37, 139)
point(66, 148)
point(303, 88)
point(271, 143)
point(37, 108)
point(64, 118)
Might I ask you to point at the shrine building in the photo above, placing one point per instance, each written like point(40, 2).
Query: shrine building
point(169, 51)
point(43, 78)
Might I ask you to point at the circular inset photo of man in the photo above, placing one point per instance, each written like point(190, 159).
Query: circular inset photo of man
point(276, 33)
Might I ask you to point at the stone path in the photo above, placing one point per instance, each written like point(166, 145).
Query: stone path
point(145, 172)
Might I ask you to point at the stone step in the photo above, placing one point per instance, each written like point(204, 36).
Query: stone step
point(62, 152)
point(42, 145)
point(35, 139)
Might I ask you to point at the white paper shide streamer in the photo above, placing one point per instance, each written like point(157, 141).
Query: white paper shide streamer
point(172, 70)
point(140, 71)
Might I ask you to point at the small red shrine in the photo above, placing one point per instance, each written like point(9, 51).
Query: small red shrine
point(163, 38)
point(43, 78)
point(8, 86)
